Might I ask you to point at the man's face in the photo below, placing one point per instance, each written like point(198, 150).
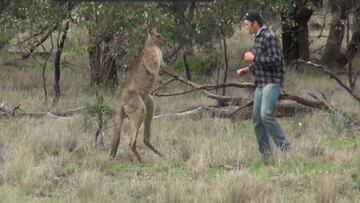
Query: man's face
point(251, 27)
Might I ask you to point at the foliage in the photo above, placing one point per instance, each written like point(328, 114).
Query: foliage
point(98, 110)
point(198, 65)
point(287, 8)
point(131, 21)
point(30, 15)
point(204, 28)
point(4, 39)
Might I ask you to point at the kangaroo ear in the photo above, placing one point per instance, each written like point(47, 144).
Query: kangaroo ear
point(151, 29)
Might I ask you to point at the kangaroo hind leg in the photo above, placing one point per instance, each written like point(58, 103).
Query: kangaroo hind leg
point(149, 104)
point(118, 127)
point(136, 115)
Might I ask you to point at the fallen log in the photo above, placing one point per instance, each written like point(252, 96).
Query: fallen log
point(316, 103)
point(284, 109)
point(17, 114)
point(226, 100)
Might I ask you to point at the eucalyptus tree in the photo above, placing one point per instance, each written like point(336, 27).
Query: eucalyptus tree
point(295, 15)
point(117, 30)
point(114, 32)
point(203, 24)
point(39, 19)
point(340, 10)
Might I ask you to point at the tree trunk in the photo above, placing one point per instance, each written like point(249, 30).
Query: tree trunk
point(226, 58)
point(59, 48)
point(303, 39)
point(295, 34)
point(336, 33)
point(187, 68)
point(103, 71)
point(302, 17)
point(353, 47)
point(220, 12)
point(354, 44)
point(289, 40)
point(3, 5)
point(41, 41)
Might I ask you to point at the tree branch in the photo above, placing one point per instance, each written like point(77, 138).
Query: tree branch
point(283, 96)
point(225, 99)
point(332, 75)
point(242, 113)
point(14, 113)
point(42, 40)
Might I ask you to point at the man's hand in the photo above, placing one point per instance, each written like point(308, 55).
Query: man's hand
point(249, 56)
point(242, 71)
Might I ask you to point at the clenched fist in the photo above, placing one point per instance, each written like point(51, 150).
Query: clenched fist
point(242, 71)
point(249, 56)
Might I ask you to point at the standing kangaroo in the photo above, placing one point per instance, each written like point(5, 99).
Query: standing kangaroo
point(135, 100)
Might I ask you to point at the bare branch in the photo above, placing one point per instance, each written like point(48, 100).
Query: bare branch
point(225, 99)
point(306, 102)
point(198, 87)
point(283, 96)
point(318, 49)
point(242, 107)
point(322, 94)
point(283, 110)
point(164, 84)
point(318, 104)
point(42, 40)
point(13, 113)
point(33, 36)
point(332, 75)
point(172, 94)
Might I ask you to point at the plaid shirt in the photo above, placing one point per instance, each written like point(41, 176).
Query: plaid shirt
point(268, 62)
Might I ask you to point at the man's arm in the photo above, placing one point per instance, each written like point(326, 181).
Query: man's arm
point(242, 71)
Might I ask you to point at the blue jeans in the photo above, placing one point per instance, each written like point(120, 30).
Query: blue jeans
point(264, 121)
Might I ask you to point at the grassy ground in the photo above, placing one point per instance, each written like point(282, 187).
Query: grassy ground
point(208, 160)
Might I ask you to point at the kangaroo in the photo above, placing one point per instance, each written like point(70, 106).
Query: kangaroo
point(135, 100)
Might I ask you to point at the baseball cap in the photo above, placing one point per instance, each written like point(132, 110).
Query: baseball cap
point(254, 16)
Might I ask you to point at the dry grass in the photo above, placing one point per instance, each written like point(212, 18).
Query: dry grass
point(51, 160)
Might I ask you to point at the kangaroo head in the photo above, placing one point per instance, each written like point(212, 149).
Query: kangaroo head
point(155, 37)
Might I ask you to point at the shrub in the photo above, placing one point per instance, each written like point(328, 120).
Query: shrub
point(197, 65)
point(4, 39)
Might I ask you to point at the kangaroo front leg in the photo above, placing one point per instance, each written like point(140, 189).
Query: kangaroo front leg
point(165, 69)
point(149, 104)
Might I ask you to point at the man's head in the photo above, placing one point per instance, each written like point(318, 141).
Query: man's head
point(253, 22)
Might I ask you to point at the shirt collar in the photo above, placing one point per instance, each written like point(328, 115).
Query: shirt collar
point(262, 27)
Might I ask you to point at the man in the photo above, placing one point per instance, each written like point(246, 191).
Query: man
point(267, 67)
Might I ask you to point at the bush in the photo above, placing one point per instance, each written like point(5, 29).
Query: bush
point(4, 39)
point(197, 65)
point(98, 110)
